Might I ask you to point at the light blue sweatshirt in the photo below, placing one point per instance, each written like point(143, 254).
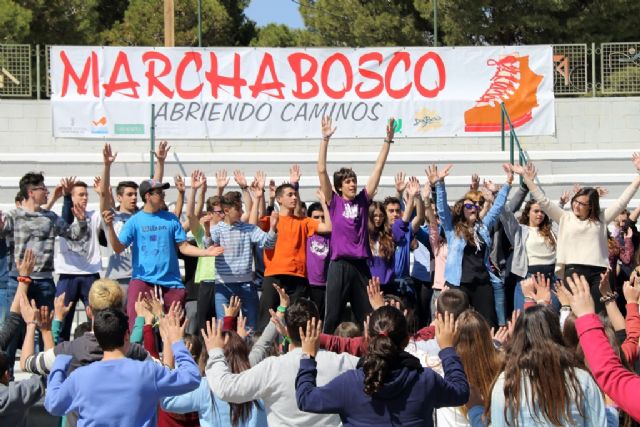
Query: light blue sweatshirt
point(121, 392)
point(212, 411)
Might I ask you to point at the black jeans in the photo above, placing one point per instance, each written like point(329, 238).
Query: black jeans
point(296, 287)
point(480, 295)
point(592, 274)
point(318, 294)
point(347, 280)
point(206, 308)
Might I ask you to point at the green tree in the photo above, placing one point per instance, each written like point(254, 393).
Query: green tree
point(245, 29)
point(278, 35)
point(14, 22)
point(602, 21)
point(72, 22)
point(110, 12)
point(143, 25)
point(366, 23)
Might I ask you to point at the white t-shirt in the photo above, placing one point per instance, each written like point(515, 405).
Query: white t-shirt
point(82, 256)
point(118, 265)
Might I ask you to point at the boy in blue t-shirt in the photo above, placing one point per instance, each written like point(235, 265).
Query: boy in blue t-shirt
point(155, 237)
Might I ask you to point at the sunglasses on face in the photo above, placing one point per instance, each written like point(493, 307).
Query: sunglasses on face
point(472, 206)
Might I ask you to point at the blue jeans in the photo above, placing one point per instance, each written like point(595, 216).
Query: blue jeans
point(5, 302)
point(498, 298)
point(248, 296)
point(76, 288)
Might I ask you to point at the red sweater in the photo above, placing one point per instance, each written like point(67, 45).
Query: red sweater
point(632, 325)
point(616, 381)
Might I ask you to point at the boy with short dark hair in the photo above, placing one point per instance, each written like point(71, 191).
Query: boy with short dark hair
point(118, 391)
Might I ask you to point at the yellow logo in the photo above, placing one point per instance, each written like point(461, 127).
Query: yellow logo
point(427, 120)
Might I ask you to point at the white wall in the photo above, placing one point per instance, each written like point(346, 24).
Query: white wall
point(582, 123)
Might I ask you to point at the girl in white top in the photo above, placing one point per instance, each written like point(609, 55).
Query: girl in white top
point(582, 234)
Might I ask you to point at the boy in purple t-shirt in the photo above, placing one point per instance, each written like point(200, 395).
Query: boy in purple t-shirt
point(348, 272)
point(318, 256)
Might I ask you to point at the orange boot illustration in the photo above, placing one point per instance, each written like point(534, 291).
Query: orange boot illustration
point(513, 84)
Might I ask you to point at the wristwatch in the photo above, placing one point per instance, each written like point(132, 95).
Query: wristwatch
point(307, 356)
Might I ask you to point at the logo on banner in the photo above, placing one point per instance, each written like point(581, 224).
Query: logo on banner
point(100, 125)
point(515, 85)
point(426, 120)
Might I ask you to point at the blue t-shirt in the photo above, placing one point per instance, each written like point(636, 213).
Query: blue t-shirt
point(402, 236)
point(153, 239)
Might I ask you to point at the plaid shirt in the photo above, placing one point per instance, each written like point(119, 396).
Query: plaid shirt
point(37, 231)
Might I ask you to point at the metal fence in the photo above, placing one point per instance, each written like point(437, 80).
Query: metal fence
point(23, 73)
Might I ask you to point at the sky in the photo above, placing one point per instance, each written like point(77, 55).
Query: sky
point(265, 12)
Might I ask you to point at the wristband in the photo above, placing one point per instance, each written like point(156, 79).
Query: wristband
point(244, 188)
point(389, 141)
point(609, 297)
point(24, 279)
point(281, 309)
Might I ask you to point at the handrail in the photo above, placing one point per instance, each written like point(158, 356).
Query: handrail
point(523, 156)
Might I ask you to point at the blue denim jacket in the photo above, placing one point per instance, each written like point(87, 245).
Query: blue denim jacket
point(453, 266)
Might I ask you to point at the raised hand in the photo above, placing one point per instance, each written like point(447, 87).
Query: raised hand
point(501, 335)
point(528, 289)
point(445, 330)
point(222, 180)
point(178, 181)
point(60, 310)
point(604, 286)
point(490, 185)
point(97, 185)
point(413, 187)
point(241, 326)
point(530, 171)
point(327, 127)
point(391, 129)
point(212, 334)
point(173, 331)
point(108, 156)
point(28, 310)
point(294, 174)
point(79, 212)
point(580, 297)
point(475, 182)
point(196, 179)
point(508, 169)
point(602, 191)
point(436, 175)
point(233, 308)
point(321, 197)
point(239, 178)
point(46, 317)
point(284, 296)
point(276, 319)
point(542, 285)
point(272, 189)
point(311, 338)
point(631, 290)
point(376, 296)
point(273, 220)
point(67, 184)
point(400, 182)
point(261, 178)
point(564, 198)
point(26, 266)
point(635, 158)
point(155, 304)
point(162, 151)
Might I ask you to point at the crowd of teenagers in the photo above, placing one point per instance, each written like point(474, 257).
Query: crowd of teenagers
point(407, 311)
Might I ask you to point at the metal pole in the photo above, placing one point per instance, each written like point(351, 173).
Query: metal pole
point(38, 72)
point(502, 127)
point(435, 23)
point(593, 69)
point(512, 148)
point(199, 23)
point(153, 141)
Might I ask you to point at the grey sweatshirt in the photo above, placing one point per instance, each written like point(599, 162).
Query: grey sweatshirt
point(17, 397)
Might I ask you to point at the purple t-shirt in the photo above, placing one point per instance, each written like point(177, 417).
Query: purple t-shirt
point(382, 268)
point(318, 259)
point(349, 235)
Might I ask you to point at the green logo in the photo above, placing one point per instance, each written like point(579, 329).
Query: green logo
point(397, 125)
point(129, 129)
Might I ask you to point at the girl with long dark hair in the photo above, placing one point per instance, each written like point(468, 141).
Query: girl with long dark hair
point(543, 382)
point(469, 244)
point(382, 260)
point(389, 387)
point(582, 234)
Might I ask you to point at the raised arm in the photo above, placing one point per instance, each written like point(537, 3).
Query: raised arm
point(261, 179)
point(178, 181)
point(528, 174)
point(161, 156)
point(197, 178)
point(116, 245)
point(618, 206)
point(222, 180)
point(324, 227)
point(108, 157)
point(436, 177)
point(241, 180)
point(325, 182)
point(501, 199)
point(374, 178)
point(258, 196)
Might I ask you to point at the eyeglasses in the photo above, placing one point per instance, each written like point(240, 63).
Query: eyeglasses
point(472, 206)
point(584, 205)
point(42, 187)
point(221, 213)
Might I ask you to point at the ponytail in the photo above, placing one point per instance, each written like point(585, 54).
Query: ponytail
point(387, 334)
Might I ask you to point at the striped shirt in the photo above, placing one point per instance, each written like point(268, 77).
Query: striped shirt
point(235, 265)
point(37, 231)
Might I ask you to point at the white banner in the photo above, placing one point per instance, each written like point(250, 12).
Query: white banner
point(108, 92)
